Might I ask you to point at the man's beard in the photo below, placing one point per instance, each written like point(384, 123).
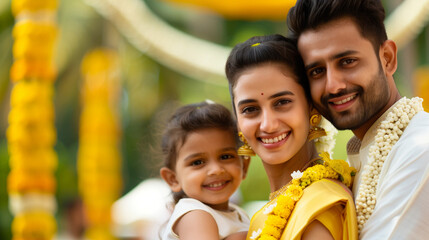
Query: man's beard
point(371, 101)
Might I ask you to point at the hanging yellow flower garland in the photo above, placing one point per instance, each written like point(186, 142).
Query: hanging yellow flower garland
point(31, 134)
point(99, 158)
point(279, 212)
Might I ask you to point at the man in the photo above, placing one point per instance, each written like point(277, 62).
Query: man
point(350, 65)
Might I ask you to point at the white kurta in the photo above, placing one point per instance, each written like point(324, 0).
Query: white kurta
point(402, 208)
point(228, 223)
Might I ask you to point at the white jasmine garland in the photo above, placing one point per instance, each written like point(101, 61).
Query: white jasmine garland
point(296, 174)
point(269, 209)
point(388, 133)
point(255, 234)
point(326, 143)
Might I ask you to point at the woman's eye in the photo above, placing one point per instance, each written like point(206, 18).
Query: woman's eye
point(282, 102)
point(197, 162)
point(248, 110)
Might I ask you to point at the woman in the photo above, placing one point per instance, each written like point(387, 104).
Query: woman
point(271, 101)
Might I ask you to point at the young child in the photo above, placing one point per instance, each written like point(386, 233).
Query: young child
point(203, 170)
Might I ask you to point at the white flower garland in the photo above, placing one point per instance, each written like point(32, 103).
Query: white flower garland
point(326, 143)
point(388, 133)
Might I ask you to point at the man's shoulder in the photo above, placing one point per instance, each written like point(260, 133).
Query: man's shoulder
point(415, 138)
point(418, 126)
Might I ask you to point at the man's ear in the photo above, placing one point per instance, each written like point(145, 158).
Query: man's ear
point(246, 163)
point(388, 57)
point(170, 178)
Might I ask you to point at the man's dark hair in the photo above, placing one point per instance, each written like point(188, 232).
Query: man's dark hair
point(367, 14)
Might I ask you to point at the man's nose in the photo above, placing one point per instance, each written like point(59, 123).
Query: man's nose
point(334, 81)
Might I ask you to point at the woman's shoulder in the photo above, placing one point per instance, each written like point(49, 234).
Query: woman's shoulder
point(327, 186)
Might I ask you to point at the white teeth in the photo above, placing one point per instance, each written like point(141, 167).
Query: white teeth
point(274, 140)
point(215, 185)
point(344, 100)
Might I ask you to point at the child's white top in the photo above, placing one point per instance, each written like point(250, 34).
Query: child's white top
point(228, 222)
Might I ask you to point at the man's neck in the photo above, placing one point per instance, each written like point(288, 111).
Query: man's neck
point(361, 131)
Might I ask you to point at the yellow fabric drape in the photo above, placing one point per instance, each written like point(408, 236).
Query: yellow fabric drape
point(324, 200)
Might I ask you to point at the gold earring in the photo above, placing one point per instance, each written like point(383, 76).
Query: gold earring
point(246, 151)
point(315, 130)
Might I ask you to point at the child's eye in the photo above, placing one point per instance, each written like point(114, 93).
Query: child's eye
point(227, 156)
point(197, 162)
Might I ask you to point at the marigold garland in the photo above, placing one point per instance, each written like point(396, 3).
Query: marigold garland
point(287, 196)
point(99, 158)
point(31, 133)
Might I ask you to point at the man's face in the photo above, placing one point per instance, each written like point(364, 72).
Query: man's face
point(348, 84)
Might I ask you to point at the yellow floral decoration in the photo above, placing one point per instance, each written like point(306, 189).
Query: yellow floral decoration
point(285, 202)
point(99, 157)
point(31, 133)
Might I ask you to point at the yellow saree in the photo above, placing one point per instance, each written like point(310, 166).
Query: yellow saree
point(326, 201)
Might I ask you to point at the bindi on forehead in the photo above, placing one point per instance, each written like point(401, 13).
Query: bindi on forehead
point(262, 93)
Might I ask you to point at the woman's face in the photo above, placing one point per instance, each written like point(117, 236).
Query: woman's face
point(272, 111)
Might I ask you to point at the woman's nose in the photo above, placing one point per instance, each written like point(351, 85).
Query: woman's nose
point(269, 121)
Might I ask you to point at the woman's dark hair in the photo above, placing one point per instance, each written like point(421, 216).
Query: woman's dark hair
point(265, 49)
point(367, 14)
point(189, 119)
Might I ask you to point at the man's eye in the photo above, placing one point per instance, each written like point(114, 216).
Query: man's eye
point(347, 61)
point(316, 72)
point(197, 162)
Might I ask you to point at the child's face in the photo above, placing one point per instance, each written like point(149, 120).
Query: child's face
point(208, 167)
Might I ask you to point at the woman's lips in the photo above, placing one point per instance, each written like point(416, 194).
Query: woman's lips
point(274, 142)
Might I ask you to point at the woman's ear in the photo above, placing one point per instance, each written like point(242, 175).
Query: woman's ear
point(388, 57)
point(170, 178)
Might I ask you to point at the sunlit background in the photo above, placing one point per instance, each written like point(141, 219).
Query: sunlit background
point(119, 69)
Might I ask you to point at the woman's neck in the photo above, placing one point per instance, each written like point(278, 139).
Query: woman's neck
point(280, 174)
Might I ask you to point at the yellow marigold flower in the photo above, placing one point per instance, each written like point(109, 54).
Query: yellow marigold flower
point(32, 92)
point(284, 201)
point(276, 221)
point(33, 69)
point(35, 30)
point(295, 192)
point(282, 212)
point(19, 6)
point(33, 49)
point(23, 181)
point(341, 167)
point(41, 135)
point(42, 160)
point(99, 61)
point(267, 237)
point(34, 225)
point(272, 231)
